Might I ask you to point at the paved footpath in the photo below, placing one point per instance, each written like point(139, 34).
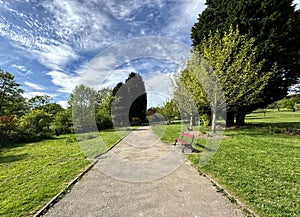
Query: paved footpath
point(142, 177)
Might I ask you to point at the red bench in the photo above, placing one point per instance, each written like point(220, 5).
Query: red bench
point(186, 141)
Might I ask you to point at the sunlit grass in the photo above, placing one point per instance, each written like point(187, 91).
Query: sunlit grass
point(259, 163)
point(31, 174)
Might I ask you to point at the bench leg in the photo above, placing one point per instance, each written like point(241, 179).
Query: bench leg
point(175, 143)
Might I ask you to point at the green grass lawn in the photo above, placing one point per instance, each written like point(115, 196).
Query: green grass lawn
point(31, 174)
point(259, 163)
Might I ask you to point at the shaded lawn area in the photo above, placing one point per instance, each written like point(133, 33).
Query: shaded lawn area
point(259, 165)
point(31, 174)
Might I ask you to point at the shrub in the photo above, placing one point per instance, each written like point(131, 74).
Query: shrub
point(206, 120)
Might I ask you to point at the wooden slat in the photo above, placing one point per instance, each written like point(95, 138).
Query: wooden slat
point(187, 135)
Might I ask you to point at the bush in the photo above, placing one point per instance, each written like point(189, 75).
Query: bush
point(8, 129)
point(206, 120)
point(103, 120)
point(35, 126)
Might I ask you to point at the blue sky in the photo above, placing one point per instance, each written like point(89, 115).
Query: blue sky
point(52, 45)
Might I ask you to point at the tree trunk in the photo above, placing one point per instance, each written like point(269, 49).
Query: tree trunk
point(193, 121)
point(240, 119)
point(229, 119)
point(213, 122)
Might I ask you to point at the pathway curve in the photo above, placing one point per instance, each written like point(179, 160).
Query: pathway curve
point(142, 176)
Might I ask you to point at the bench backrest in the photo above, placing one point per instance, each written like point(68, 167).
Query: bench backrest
point(187, 135)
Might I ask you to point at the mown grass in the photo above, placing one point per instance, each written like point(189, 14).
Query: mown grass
point(94, 144)
point(260, 163)
point(31, 174)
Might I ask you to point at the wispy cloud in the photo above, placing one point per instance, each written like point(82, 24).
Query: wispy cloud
point(33, 86)
point(60, 33)
point(30, 94)
point(66, 82)
point(22, 70)
point(186, 15)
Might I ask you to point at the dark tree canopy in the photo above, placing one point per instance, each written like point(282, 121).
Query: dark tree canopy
point(130, 100)
point(273, 23)
point(137, 92)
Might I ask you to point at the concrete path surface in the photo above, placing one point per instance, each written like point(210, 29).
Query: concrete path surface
point(142, 176)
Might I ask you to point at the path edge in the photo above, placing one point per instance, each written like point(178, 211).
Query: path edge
point(58, 196)
point(61, 194)
point(220, 189)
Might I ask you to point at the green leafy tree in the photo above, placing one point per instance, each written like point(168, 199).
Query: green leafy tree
point(189, 95)
point(11, 100)
point(35, 125)
point(233, 58)
point(103, 108)
point(82, 102)
point(227, 73)
point(8, 129)
point(169, 110)
point(62, 122)
point(290, 102)
point(38, 102)
point(53, 108)
point(274, 24)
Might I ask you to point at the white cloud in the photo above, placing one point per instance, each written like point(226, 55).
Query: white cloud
point(81, 23)
point(125, 9)
point(186, 15)
point(158, 87)
point(66, 82)
point(49, 52)
point(64, 104)
point(22, 70)
point(54, 56)
point(297, 2)
point(29, 94)
point(33, 86)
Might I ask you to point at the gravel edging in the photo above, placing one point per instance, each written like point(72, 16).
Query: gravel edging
point(57, 197)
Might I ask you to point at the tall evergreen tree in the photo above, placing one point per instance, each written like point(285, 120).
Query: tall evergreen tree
point(274, 23)
point(138, 96)
point(130, 100)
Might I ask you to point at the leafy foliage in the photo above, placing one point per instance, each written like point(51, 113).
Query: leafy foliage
point(234, 60)
point(169, 110)
point(275, 26)
point(11, 100)
point(82, 102)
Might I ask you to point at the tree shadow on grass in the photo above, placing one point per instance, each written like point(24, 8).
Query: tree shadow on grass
point(12, 158)
point(10, 145)
point(263, 129)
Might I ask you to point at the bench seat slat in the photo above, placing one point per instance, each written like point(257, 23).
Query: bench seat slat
point(182, 141)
